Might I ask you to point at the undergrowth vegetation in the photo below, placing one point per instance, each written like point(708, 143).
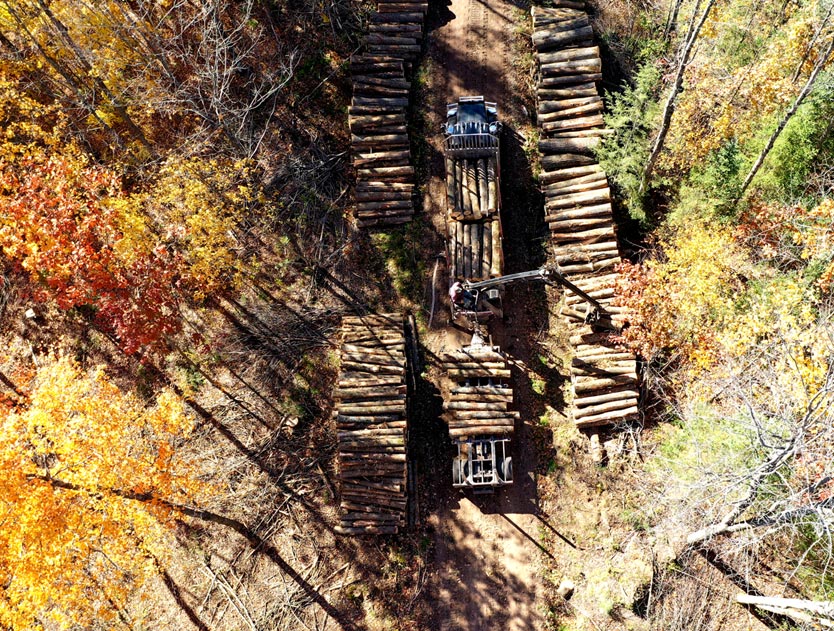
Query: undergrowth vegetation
point(731, 298)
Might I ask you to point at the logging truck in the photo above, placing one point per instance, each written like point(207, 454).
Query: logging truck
point(480, 425)
point(473, 198)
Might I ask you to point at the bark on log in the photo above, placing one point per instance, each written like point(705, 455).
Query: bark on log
point(589, 385)
point(576, 67)
point(475, 405)
point(581, 224)
point(371, 358)
point(478, 247)
point(549, 40)
point(599, 210)
point(392, 172)
point(379, 140)
point(497, 264)
point(612, 372)
point(555, 107)
point(591, 107)
point(594, 410)
point(562, 160)
point(409, 16)
point(561, 26)
point(612, 356)
point(555, 82)
point(584, 90)
point(466, 259)
point(576, 185)
point(569, 54)
point(569, 147)
point(349, 381)
point(472, 189)
point(584, 235)
point(368, 393)
point(496, 415)
point(369, 102)
point(393, 27)
point(573, 123)
point(483, 188)
point(487, 248)
point(379, 196)
point(483, 398)
point(463, 181)
point(386, 80)
point(603, 398)
point(493, 202)
point(574, 200)
point(608, 417)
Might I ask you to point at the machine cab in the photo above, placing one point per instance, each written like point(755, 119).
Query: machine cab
point(472, 115)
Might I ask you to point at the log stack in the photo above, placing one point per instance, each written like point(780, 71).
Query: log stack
point(479, 401)
point(372, 425)
point(476, 249)
point(578, 210)
point(473, 203)
point(377, 115)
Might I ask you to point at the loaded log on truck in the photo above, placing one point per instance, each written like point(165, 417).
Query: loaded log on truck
point(480, 423)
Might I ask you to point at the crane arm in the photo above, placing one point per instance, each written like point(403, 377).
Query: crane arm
point(549, 275)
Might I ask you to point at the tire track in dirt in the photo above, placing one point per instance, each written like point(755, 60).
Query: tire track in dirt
point(483, 571)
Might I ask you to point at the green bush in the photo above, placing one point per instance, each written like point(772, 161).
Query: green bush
point(631, 114)
point(719, 179)
point(806, 144)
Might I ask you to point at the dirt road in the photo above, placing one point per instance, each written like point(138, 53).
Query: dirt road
point(484, 564)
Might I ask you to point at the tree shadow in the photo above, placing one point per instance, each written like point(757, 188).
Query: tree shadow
point(767, 618)
point(474, 588)
point(438, 15)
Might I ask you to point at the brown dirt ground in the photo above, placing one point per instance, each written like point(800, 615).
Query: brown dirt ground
point(484, 560)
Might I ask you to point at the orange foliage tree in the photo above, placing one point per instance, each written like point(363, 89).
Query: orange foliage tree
point(59, 227)
point(90, 475)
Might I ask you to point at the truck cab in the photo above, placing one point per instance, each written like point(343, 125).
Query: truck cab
point(472, 114)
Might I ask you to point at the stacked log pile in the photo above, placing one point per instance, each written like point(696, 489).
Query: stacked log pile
point(372, 425)
point(377, 114)
point(578, 210)
point(479, 402)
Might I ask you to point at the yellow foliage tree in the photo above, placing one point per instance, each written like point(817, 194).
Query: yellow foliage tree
point(731, 93)
point(199, 205)
point(678, 302)
point(89, 477)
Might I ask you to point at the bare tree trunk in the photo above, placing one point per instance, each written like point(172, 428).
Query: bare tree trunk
point(810, 46)
point(757, 479)
point(806, 90)
point(685, 56)
point(672, 19)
